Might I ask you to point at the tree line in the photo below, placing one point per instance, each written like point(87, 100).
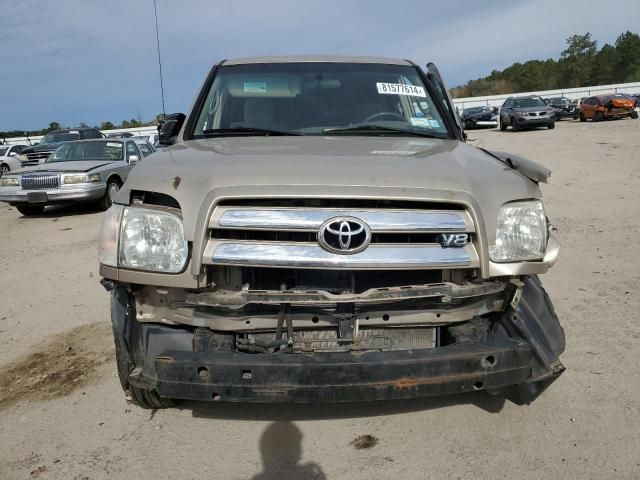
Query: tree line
point(581, 64)
point(133, 123)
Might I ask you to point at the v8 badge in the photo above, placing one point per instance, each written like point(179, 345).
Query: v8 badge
point(455, 240)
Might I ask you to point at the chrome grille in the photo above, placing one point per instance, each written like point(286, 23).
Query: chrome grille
point(34, 158)
point(285, 237)
point(40, 181)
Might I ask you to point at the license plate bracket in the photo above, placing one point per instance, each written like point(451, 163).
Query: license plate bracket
point(37, 197)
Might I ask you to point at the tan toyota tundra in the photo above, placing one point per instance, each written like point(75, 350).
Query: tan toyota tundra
point(317, 230)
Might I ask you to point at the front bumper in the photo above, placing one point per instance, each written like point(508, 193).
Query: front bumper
point(526, 121)
point(342, 377)
point(17, 196)
point(520, 359)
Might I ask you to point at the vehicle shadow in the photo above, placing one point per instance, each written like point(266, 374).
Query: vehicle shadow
point(281, 451)
point(58, 211)
point(290, 412)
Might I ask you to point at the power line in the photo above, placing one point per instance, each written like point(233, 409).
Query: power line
point(155, 10)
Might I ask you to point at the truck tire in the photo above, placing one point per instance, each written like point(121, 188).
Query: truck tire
point(143, 398)
point(149, 399)
point(503, 125)
point(598, 117)
point(4, 169)
point(30, 210)
point(582, 117)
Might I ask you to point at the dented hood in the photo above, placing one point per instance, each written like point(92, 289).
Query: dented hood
point(197, 173)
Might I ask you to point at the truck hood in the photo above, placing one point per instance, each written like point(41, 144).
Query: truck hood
point(42, 147)
point(197, 173)
point(75, 166)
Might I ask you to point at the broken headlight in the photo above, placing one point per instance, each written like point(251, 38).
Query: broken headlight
point(143, 239)
point(521, 232)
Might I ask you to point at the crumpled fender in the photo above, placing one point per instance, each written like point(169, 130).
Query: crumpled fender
point(535, 320)
point(526, 167)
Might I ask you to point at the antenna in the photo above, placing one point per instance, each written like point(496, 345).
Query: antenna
point(155, 10)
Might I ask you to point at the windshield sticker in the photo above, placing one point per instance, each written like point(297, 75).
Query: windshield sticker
point(109, 144)
point(420, 122)
point(400, 89)
point(255, 87)
point(434, 123)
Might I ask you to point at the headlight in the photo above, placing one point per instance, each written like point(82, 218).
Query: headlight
point(10, 181)
point(142, 239)
point(521, 232)
point(23, 158)
point(74, 179)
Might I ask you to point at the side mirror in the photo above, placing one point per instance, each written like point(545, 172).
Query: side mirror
point(134, 158)
point(170, 129)
point(13, 154)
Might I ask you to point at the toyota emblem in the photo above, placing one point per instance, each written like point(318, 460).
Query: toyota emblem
point(344, 235)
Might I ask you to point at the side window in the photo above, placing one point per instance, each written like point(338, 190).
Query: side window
point(146, 151)
point(132, 149)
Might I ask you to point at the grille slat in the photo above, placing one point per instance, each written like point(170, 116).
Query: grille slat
point(43, 181)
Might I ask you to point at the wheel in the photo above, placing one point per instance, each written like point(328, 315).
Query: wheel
point(150, 399)
point(30, 210)
point(143, 398)
point(514, 124)
point(4, 169)
point(634, 114)
point(599, 116)
point(503, 125)
point(575, 118)
point(582, 117)
point(551, 125)
point(113, 187)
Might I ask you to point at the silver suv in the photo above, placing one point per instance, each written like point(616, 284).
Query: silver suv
point(319, 231)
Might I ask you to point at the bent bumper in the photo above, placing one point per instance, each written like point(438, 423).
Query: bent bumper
point(17, 196)
point(342, 377)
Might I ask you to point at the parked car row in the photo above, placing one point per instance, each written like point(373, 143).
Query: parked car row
point(533, 111)
point(89, 170)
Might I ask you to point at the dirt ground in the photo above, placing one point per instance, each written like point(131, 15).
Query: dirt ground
point(63, 414)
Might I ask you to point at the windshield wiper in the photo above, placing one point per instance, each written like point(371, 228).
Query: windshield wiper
point(248, 131)
point(377, 128)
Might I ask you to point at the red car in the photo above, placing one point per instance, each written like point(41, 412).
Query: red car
point(603, 107)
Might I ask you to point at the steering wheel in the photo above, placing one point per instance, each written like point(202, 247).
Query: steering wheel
point(379, 115)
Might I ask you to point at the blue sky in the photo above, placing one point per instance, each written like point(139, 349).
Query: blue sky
point(87, 61)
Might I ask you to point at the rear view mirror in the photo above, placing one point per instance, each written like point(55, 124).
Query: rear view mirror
point(170, 128)
point(134, 158)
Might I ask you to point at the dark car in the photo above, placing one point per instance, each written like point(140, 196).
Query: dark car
point(52, 140)
point(563, 107)
point(478, 117)
point(526, 112)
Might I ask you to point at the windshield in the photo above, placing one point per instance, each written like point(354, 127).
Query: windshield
point(3, 151)
point(60, 137)
point(560, 101)
point(316, 98)
point(528, 102)
point(69, 152)
point(470, 111)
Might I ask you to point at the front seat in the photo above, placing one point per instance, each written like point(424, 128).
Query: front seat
point(259, 112)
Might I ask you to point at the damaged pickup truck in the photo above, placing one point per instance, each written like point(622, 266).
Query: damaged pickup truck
point(319, 231)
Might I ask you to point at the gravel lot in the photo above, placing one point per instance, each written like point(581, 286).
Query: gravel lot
point(63, 415)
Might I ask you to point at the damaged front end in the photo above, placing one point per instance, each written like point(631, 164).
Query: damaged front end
point(304, 345)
